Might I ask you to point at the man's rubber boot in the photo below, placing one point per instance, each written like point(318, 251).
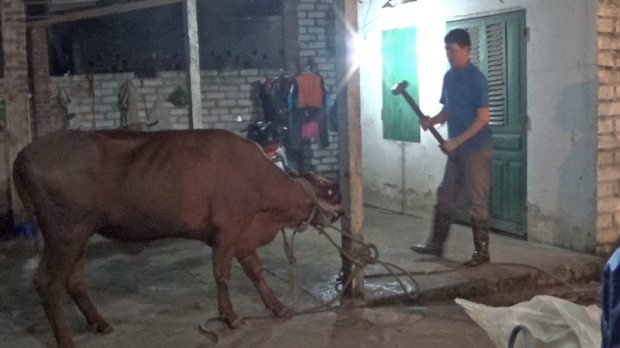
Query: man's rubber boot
point(480, 229)
point(434, 244)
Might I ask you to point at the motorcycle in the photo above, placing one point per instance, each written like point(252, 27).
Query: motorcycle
point(270, 138)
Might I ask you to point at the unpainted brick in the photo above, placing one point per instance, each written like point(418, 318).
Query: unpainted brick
point(228, 102)
point(216, 96)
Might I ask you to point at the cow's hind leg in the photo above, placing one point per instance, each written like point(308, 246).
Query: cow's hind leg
point(63, 248)
point(77, 289)
point(222, 262)
point(254, 270)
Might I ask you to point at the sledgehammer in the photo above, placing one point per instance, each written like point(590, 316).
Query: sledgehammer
point(401, 88)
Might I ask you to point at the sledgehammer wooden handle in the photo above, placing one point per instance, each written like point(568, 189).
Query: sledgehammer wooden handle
point(401, 88)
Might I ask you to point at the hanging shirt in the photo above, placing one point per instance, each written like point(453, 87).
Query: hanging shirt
point(310, 90)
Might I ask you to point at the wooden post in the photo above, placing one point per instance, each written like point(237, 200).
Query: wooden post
point(15, 91)
point(44, 119)
point(349, 138)
point(290, 28)
point(193, 63)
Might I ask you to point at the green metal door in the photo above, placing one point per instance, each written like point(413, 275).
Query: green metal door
point(400, 62)
point(498, 49)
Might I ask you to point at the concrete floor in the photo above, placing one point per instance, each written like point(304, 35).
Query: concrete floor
point(159, 298)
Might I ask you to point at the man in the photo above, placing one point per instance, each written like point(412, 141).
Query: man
point(465, 102)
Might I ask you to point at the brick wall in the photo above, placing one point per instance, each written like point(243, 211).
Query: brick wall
point(608, 222)
point(225, 95)
point(15, 86)
point(316, 21)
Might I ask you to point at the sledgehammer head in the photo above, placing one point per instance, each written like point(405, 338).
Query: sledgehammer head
point(400, 88)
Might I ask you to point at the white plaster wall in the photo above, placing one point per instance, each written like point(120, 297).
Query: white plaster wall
point(562, 87)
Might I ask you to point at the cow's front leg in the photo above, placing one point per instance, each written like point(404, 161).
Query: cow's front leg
point(254, 270)
point(222, 262)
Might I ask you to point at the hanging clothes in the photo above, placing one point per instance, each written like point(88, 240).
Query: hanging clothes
point(310, 130)
point(307, 103)
point(127, 101)
point(332, 114)
point(311, 91)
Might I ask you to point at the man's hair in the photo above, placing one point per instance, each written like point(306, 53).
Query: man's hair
point(459, 37)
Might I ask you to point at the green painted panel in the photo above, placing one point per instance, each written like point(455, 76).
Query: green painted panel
point(497, 189)
point(515, 189)
point(507, 141)
point(400, 62)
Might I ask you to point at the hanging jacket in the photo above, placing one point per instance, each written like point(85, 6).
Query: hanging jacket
point(304, 113)
point(127, 101)
point(311, 91)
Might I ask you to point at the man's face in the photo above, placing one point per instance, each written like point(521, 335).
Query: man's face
point(457, 56)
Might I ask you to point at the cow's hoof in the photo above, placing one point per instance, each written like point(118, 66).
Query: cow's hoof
point(103, 328)
point(283, 312)
point(235, 324)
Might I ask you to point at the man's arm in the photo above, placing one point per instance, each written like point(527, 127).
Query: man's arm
point(482, 119)
point(441, 117)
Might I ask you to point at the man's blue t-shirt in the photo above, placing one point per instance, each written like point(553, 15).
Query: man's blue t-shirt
point(463, 93)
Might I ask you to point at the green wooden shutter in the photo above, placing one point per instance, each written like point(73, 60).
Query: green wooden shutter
point(488, 53)
point(400, 62)
point(496, 58)
point(474, 54)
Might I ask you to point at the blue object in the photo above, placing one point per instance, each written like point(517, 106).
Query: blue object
point(610, 318)
point(463, 93)
point(26, 229)
point(527, 336)
point(290, 101)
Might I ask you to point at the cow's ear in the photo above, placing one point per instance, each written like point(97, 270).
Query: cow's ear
point(294, 174)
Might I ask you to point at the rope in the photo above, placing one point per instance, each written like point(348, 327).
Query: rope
point(499, 264)
point(325, 213)
point(289, 250)
point(369, 255)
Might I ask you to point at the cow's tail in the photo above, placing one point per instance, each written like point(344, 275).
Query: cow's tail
point(23, 185)
point(20, 177)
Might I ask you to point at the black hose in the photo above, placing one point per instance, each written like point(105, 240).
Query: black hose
point(527, 335)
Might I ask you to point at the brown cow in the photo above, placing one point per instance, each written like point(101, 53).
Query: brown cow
point(134, 187)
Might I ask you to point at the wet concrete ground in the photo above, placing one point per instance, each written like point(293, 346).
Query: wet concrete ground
point(159, 298)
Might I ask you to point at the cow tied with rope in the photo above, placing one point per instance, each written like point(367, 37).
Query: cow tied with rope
point(135, 187)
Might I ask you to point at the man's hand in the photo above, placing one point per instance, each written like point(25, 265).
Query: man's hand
point(426, 123)
point(449, 147)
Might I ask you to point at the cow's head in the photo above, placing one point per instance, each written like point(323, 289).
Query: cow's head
point(328, 198)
